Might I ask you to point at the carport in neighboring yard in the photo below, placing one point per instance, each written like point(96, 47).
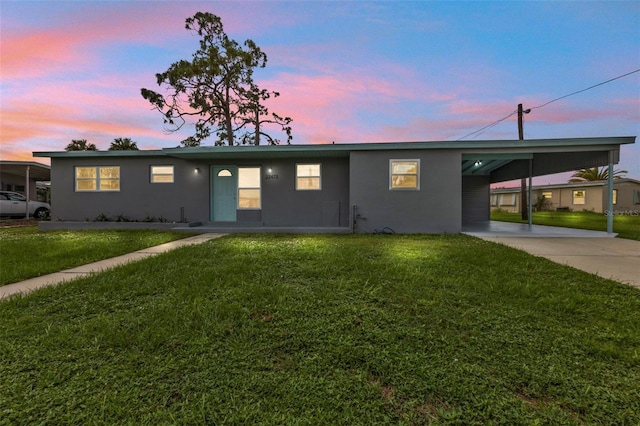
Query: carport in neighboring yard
point(595, 252)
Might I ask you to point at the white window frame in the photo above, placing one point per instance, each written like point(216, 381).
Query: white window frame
point(153, 174)
point(574, 197)
point(615, 197)
point(259, 188)
point(545, 193)
point(319, 177)
point(392, 175)
point(96, 179)
point(511, 202)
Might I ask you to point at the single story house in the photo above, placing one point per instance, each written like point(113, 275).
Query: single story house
point(409, 187)
point(23, 177)
point(578, 196)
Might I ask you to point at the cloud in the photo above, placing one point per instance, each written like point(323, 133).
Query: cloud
point(72, 43)
point(352, 104)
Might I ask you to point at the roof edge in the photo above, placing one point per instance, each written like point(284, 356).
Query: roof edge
point(365, 146)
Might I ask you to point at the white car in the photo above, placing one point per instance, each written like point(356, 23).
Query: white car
point(13, 204)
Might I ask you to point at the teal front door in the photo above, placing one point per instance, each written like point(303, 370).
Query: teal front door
point(224, 190)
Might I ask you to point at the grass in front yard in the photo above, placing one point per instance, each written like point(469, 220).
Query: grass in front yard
point(26, 252)
point(627, 226)
point(326, 330)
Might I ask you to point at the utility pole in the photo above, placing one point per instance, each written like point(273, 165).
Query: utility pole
point(524, 210)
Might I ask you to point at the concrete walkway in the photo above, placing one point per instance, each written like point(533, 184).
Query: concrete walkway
point(613, 258)
point(92, 268)
point(591, 251)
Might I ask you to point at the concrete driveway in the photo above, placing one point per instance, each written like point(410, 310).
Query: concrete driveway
point(591, 251)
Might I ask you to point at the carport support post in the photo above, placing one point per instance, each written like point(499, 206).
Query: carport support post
point(26, 192)
point(530, 205)
point(610, 190)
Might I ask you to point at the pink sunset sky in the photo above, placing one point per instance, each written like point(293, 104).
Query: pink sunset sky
point(347, 71)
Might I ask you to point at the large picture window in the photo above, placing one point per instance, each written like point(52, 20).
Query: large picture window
point(579, 197)
point(404, 174)
point(249, 188)
point(98, 178)
point(161, 174)
point(308, 177)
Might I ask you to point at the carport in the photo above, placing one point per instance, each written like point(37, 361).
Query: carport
point(21, 176)
point(529, 158)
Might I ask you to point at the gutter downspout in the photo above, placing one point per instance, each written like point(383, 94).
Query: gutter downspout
point(26, 185)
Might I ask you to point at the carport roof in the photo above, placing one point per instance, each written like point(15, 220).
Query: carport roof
point(37, 171)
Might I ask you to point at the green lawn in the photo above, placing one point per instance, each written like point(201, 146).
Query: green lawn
point(627, 226)
point(26, 252)
point(356, 330)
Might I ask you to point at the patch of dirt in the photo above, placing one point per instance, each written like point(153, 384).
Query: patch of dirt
point(15, 223)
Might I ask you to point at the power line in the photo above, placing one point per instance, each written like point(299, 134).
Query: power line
point(480, 131)
point(588, 88)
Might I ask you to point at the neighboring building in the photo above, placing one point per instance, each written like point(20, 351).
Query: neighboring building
point(410, 187)
point(23, 177)
point(579, 196)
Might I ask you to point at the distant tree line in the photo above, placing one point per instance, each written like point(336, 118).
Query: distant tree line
point(118, 144)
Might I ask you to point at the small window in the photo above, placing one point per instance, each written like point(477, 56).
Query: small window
point(547, 195)
point(249, 188)
point(508, 199)
point(636, 196)
point(404, 174)
point(579, 197)
point(494, 200)
point(98, 178)
point(161, 174)
point(308, 177)
point(615, 196)
point(224, 173)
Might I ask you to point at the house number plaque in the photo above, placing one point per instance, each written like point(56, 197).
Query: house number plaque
point(269, 177)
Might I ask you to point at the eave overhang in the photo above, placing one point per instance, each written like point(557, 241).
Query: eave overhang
point(342, 150)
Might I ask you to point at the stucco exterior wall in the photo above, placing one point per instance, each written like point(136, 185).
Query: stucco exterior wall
point(596, 198)
point(434, 208)
point(475, 199)
point(189, 194)
point(627, 202)
point(138, 197)
point(592, 202)
point(284, 206)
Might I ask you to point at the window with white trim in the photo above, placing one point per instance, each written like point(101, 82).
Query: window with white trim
point(579, 196)
point(547, 194)
point(308, 177)
point(161, 174)
point(508, 199)
point(615, 196)
point(249, 188)
point(97, 178)
point(404, 174)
